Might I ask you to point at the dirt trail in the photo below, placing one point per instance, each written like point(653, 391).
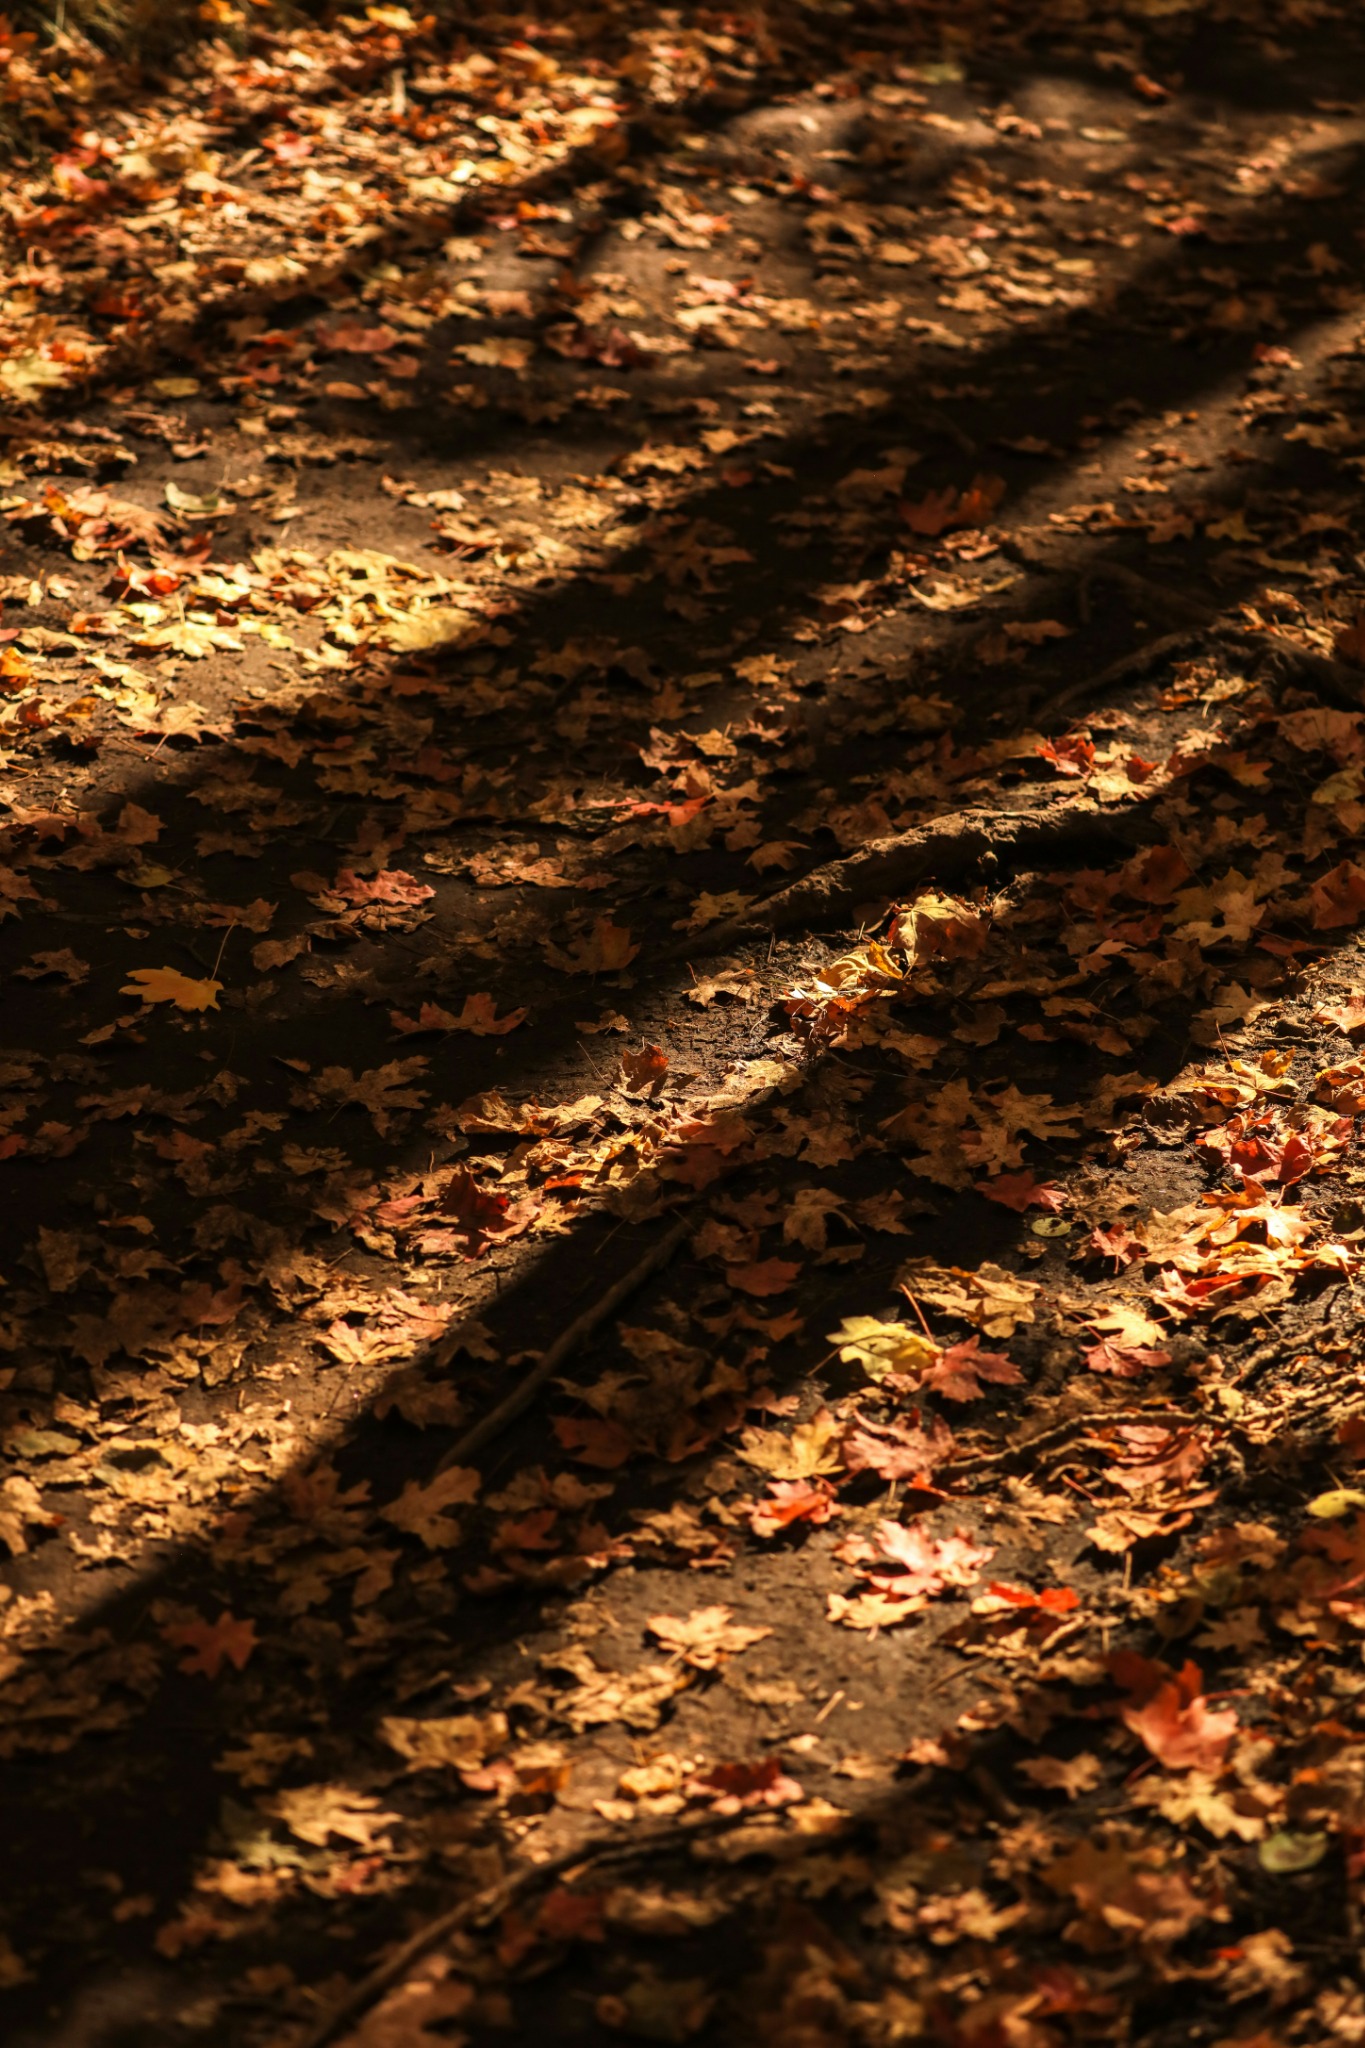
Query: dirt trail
point(680, 733)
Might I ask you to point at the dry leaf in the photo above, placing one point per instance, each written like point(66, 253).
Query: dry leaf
point(168, 985)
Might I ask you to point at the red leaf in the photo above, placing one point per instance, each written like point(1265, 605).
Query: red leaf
point(1052, 1600)
point(1125, 1361)
point(1168, 1712)
point(733, 1786)
point(1020, 1191)
point(767, 1276)
point(391, 885)
point(643, 1069)
point(1180, 1728)
point(350, 338)
point(1074, 755)
point(1349, 644)
point(792, 1500)
point(571, 1916)
point(1155, 875)
point(938, 511)
point(476, 1210)
point(1116, 1241)
point(899, 1450)
point(957, 1374)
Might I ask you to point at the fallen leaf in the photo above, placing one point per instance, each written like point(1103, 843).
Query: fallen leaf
point(1071, 1775)
point(210, 1644)
point(643, 1069)
point(706, 1637)
point(1020, 1191)
point(607, 949)
point(961, 1372)
point(168, 985)
point(424, 1511)
point(1174, 1720)
point(1288, 1852)
point(766, 1276)
point(881, 1348)
point(789, 1501)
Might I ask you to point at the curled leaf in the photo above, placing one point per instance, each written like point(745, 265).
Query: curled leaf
point(1338, 1501)
point(1287, 1852)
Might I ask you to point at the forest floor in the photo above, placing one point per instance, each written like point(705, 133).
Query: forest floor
point(680, 747)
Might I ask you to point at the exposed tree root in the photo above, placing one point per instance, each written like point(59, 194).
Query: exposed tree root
point(945, 851)
point(494, 1899)
point(522, 1395)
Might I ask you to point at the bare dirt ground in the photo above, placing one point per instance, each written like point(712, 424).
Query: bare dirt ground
point(682, 777)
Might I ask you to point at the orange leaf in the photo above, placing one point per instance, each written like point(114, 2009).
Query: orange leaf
point(644, 1069)
point(168, 985)
point(792, 1500)
point(1184, 1735)
point(1339, 898)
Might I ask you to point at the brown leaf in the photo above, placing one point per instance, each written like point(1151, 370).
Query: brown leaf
point(424, 1511)
point(706, 1637)
point(1072, 1775)
point(1338, 898)
point(607, 949)
point(766, 1276)
point(210, 1644)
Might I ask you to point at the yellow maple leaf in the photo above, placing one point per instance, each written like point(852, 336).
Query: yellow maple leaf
point(880, 1347)
point(801, 1453)
point(168, 985)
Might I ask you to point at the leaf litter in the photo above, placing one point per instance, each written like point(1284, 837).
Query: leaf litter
point(676, 528)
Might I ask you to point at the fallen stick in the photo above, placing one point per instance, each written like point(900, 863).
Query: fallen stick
point(568, 1340)
point(495, 1899)
point(1093, 1419)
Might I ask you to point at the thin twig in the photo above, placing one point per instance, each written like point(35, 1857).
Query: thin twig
point(568, 1340)
point(1049, 1439)
point(495, 1899)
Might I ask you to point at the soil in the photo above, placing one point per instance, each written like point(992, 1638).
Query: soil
point(613, 620)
